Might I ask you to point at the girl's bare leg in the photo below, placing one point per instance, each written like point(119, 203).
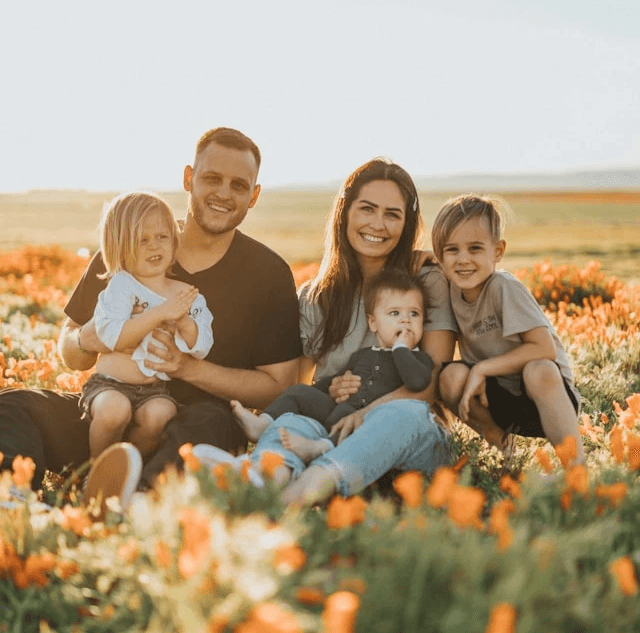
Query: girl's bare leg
point(110, 414)
point(150, 420)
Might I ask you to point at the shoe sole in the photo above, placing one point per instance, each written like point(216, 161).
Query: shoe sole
point(115, 473)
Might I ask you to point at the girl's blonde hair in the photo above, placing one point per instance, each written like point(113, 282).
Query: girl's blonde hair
point(458, 210)
point(121, 228)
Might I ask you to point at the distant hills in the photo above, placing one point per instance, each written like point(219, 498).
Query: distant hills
point(627, 179)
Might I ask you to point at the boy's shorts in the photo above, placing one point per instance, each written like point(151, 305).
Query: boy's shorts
point(137, 394)
point(516, 414)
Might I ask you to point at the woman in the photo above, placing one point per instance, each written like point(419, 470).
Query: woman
point(375, 224)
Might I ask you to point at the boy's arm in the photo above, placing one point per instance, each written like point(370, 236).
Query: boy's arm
point(536, 344)
point(414, 371)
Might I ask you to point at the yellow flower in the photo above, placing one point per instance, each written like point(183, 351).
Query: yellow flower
point(345, 512)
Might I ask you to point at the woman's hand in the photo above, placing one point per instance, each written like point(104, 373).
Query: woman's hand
point(344, 386)
point(420, 258)
point(172, 358)
point(347, 425)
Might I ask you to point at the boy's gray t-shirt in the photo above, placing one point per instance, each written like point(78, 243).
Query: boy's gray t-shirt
point(492, 325)
point(439, 316)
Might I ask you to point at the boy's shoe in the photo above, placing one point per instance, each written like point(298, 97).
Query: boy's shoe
point(115, 473)
point(211, 456)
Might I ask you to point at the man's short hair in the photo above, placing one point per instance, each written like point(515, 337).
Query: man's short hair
point(230, 138)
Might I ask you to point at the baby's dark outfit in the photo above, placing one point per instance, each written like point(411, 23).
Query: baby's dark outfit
point(382, 371)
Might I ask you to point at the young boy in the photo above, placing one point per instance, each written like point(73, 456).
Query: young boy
point(514, 375)
point(394, 304)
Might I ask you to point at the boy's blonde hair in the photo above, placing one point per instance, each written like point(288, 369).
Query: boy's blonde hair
point(121, 228)
point(458, 210)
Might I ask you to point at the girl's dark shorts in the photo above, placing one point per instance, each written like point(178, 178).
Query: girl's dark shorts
point(137, 394)
point(516, 414)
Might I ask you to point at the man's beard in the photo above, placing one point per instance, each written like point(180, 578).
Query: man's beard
point(215, 224)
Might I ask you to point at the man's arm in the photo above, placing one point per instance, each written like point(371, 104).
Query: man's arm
point(255, 388)
point(79, 345)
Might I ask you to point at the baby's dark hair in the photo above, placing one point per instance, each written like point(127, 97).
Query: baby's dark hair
point(391, 279)
point(458, 210)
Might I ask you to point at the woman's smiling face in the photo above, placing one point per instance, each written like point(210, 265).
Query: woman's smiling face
point(375, 220)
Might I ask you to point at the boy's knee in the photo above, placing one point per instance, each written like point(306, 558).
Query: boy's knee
point(451, 381)
point(540, 376)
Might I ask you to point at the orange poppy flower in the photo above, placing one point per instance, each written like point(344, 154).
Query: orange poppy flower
point(129, 551)
point(409, 487)
point(465, 506)
point(244, 471)
point(343, 512)
point(624, 572)
point(566, 500)
point(162, 554)
point(67, 568)
point(76, 519)
point(217, 623)
point(502, 619)
point(577, 479)
point(614, 492)
point(23, 470)
point(510, 486)
point(269, 618)
point(196, 541)
point(543, 460)
point(309, 595)
point(458, 466)
point(219, 471)
point(633, 446)
point(443, 482)
point(566, 450)
point(354, 585)
point(634, 403)
point(191, 462)
point(616, 444)
point(270, 462)
point(340, 612)
point(289, 558)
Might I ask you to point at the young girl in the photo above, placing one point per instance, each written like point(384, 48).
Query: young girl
point(138, 240)
point(514, 375)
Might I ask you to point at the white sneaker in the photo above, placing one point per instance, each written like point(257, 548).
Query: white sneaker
point(115, 473)
point(211, 456)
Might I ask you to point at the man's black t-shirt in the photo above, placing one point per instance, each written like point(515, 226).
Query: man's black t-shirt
point(252, 296)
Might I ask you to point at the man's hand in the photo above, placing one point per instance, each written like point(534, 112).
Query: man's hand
point(476, 386)
point(344, 386)
point(347, 425)
point(173, 360)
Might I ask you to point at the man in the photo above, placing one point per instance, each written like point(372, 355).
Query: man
point(248, 288)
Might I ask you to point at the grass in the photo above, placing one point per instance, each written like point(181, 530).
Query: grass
point(566, 227)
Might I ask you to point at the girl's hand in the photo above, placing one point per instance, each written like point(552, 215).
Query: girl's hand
point(178, 305)
point(476, 386)
point(344, 386)
point(347, 425)
point(405, 336)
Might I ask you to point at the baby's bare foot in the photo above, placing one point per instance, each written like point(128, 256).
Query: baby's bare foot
point(253, 425)
point(307, 450)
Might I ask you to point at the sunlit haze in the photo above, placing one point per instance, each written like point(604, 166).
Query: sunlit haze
point(113, 96)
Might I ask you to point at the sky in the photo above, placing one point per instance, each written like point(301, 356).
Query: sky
point(114, 96)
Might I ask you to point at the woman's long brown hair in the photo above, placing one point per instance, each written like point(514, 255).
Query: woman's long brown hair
point(339, 278)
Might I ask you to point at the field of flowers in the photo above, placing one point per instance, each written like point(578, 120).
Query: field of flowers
point(541, 546)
